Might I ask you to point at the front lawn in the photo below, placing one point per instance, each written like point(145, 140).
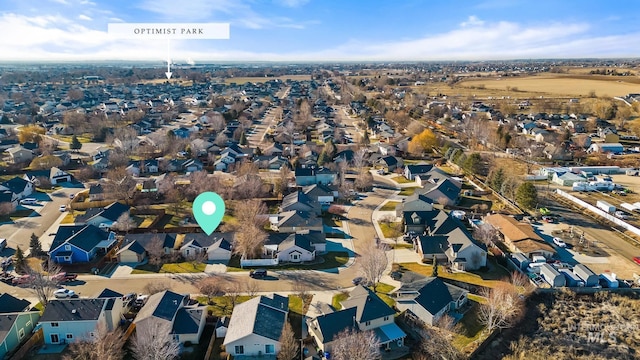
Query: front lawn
point(489, 278)
point(171, 268)
point(402, 180)
point(390, 206)
point(331, 259)
point(384, 288)
point(337, 298)
point(388, 232)
point(408, 191)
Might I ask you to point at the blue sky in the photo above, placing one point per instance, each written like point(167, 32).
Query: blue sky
point(325, 30)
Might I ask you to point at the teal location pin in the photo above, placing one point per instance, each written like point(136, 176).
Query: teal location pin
point(208, 209)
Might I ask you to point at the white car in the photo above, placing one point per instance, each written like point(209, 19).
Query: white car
point(559, 242)
point(63, 208)
point(64, 293)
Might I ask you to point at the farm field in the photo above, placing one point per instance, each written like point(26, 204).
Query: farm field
point(242, 80)
point(560, 85)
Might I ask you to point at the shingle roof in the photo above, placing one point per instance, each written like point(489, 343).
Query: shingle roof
point(9, 304)
point(15, 184)
point(113, 211)
point(84, 237)
point(433, 293)
point(163, 305)
point(298, 240)
point(108, 293)
point(187, 321)
point(168, 240)
point(73, 310)
point(369, 305)
point(263, 316)
point(333, 323)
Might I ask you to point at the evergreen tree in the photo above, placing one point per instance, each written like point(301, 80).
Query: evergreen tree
point(330, 148)
point(243, 139)
point(35, 246)
point(323, 158)
point(435, 267)
point(365, 137)
point(75, 143)
point(20, 265)
point(496, 179)
point(527, 195)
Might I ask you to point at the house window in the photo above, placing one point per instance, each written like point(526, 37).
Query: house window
point(69, 336)
point(54, 324)
point(67, 258)
point(269, 349)
point(67, 247)
point(21, 333)
point(367, 323)
point(386, 318)
point(55, 339)
point(239, 349)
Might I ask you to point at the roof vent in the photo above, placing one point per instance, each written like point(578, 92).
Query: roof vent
point(73, 311)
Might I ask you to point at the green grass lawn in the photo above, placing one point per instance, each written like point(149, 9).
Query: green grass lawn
point(222, 305)
point(402, 180)
point(390, 206)
point(331, 260)
point(384, 288)
point(488, 278)
point(402, 246)
point(387, 231)
point(172, 268)
point(408, 191)
point(335, 301)
point(471, 329)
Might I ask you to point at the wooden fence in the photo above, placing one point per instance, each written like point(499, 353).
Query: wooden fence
point(91, 204)
point(36, 339)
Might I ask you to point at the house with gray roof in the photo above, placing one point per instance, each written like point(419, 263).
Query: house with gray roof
point(104, 217)
point(217, 246)
point(430, 298)
point(363, 310)
point(256, 325)
point(80, 244)
point(414, 202)
point(296, 221)
point(134, 247)
point(173, 311)
point(16, 323)
point(301, 202)
point(69, 320)
point(410, 171)
point(445, 192)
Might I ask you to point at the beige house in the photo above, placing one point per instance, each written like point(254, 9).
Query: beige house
point(520, 237)
point(18, 155)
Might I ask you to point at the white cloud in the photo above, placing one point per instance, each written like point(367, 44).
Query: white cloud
point(472, 21)
point(55, 37)
point(292, 3)
point(84, 17)
point(63, 2)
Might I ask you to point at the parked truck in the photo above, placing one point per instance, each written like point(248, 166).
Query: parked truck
point(603, 205)
point(629, 207)
point(609, 280)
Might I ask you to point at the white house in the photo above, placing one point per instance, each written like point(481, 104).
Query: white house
point(217, 246)
point(429, 299)
point(256, 325)
point(296, 248)
point(66, 321)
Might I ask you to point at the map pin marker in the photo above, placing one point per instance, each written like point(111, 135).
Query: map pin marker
point(208, 209)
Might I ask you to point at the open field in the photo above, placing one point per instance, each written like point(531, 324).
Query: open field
point(564, 325)
point(559, 85)
point(242, 80)
point(515, 167)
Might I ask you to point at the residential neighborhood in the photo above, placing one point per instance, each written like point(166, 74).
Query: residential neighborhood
point(360, 211)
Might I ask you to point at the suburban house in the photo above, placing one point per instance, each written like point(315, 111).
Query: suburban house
point(295, 221)
point(432, 176)
point(312, 175)
point(445, 236)
point(80, 244)
point(606, 148)
point(296, 248)
point(217, 246)
point(430, 298)
point(134, 246)
point(323, 194)
point(256, 325)
point(96, 192)
point(16, 322)
point(445, 192)
point(410, 171)
point(363, 310)
point(19, 186)
point(520, 237)
point(388, 163)
point(54, 175)
point(18, 155)
point(184, 321)
point(414, 202)
point(103, 217)
point(301, 202)
point(69, 320)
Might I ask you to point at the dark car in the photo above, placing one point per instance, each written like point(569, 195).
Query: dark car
point(258, 273)
point(357, 281)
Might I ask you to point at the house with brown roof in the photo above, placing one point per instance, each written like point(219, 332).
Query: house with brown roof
point(520, 237)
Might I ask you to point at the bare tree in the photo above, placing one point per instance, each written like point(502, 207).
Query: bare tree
point(436, 343)
point(197, 257)
point(124, 223)
point(210, 287)
point(521, 283)
point(356, 345)
point(105, 345)
point(41, 283)
point(486, 234)
point(249, 241)
point(154, 341)
point(121, 185)
point(156, 287)
point(502, 308)
point(288, 343)
point(233, 289)
point(282, 181)
point(7, 208)
point(251, 288)
point(155, 251)
point(373, 263)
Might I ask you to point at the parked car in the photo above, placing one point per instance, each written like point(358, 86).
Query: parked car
point(64, 293)
point(559, 242)
point(637, 260)
point(140, 301)
point(621, 215)
point(21, 280)
point(28, 201)
point(64, 277)
point(258, 273)
point(63, 208)
point(358, 280)
point(6, 262)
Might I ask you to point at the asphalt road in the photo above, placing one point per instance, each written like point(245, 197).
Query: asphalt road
point(45, 214)
point(360, 227)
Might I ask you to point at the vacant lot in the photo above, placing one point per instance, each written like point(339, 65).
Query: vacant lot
point(564, 325)
point(242, 80)
point(559, 85)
